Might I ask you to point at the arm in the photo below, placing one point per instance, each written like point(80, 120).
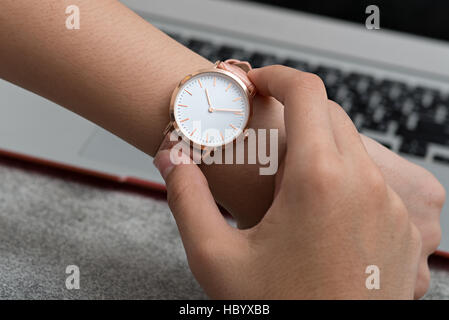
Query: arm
point(119, 72)
point(305, 220)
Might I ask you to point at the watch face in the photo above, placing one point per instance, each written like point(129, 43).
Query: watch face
point(211, 109)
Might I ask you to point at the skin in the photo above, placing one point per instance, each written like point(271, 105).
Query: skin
point(119, 71)
point(360, 219)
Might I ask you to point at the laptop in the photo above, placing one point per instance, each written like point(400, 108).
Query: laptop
point(393, 82)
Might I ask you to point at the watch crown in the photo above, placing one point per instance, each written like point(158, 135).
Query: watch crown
point(168, 128)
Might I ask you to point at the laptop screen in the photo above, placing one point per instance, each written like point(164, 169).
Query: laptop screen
point(419, 17)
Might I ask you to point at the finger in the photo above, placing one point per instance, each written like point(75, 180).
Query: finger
point(196, 213)
point(423, 279)
point(304, 97)
point(346, 136)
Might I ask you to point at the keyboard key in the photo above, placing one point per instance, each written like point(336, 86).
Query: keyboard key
point(441, 159)
point(330, 76)
point(408, 107)
point(425, 98)
point(297, 64)
point(259, 60)
point(441, 114)
point(393, 90)
point(359, 83)
point(228, 52)
point(195, 45)
point(375, 126)
point(414, 147)
point(342, 93)
point(179, 38)
point(206, 49)
point(427, 131)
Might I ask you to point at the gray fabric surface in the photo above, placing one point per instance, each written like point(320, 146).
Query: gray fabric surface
point(125, 243)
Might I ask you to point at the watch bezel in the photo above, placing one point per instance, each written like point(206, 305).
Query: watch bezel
point(178, 88)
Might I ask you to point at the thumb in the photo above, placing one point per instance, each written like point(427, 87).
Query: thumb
point(191, 202)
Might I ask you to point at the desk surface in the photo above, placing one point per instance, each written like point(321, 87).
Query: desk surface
point(123, 240)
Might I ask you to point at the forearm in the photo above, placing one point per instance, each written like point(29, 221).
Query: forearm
point(118, 71)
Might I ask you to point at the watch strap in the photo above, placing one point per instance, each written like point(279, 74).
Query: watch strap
point(240, 69)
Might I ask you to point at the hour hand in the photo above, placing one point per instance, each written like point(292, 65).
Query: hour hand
point(208, 99)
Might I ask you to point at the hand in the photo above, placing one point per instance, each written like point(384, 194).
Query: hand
point(422, 194)
point(332, 216)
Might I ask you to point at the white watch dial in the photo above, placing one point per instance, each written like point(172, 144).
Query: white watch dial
point(211, 109)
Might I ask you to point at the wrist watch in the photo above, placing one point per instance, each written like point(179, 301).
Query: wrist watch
point(211, 108)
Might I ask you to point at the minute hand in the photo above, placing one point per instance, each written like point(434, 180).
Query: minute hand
point(226, 110)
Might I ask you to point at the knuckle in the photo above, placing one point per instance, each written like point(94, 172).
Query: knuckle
point(338, 111)
point(415, 239)
point(431, 237)
point(375, 181)
point(399, 216)
point(436, 236)
point(423, 284)
point(425, 276)
point(276, 67)
point(431, 191)
point(437, 193)
point(324, 174)
point(400, 212)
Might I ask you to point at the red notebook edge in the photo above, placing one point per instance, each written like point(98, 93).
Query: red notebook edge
point(133, 181)
point(101, 175)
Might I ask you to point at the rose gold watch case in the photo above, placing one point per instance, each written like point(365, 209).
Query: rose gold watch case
point(174, 125)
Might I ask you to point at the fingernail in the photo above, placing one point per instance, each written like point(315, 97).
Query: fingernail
point(163, 163)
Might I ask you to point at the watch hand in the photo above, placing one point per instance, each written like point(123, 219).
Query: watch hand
point(226, 110)
point(208, 99)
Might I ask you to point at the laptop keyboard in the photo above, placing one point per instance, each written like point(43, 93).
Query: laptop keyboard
point(418, 116)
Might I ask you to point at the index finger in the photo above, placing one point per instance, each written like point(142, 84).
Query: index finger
point(304, 97)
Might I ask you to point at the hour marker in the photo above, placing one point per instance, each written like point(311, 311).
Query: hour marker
point(183, 105)
point(232, 126)
point(184, 120)
point(207, 137)
point(239, 113)
point(215, 81)
point(187, 91)
point(227, 88)
point(193, 132)
point(221, 134)
point(237, 99)
point(199, 82)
